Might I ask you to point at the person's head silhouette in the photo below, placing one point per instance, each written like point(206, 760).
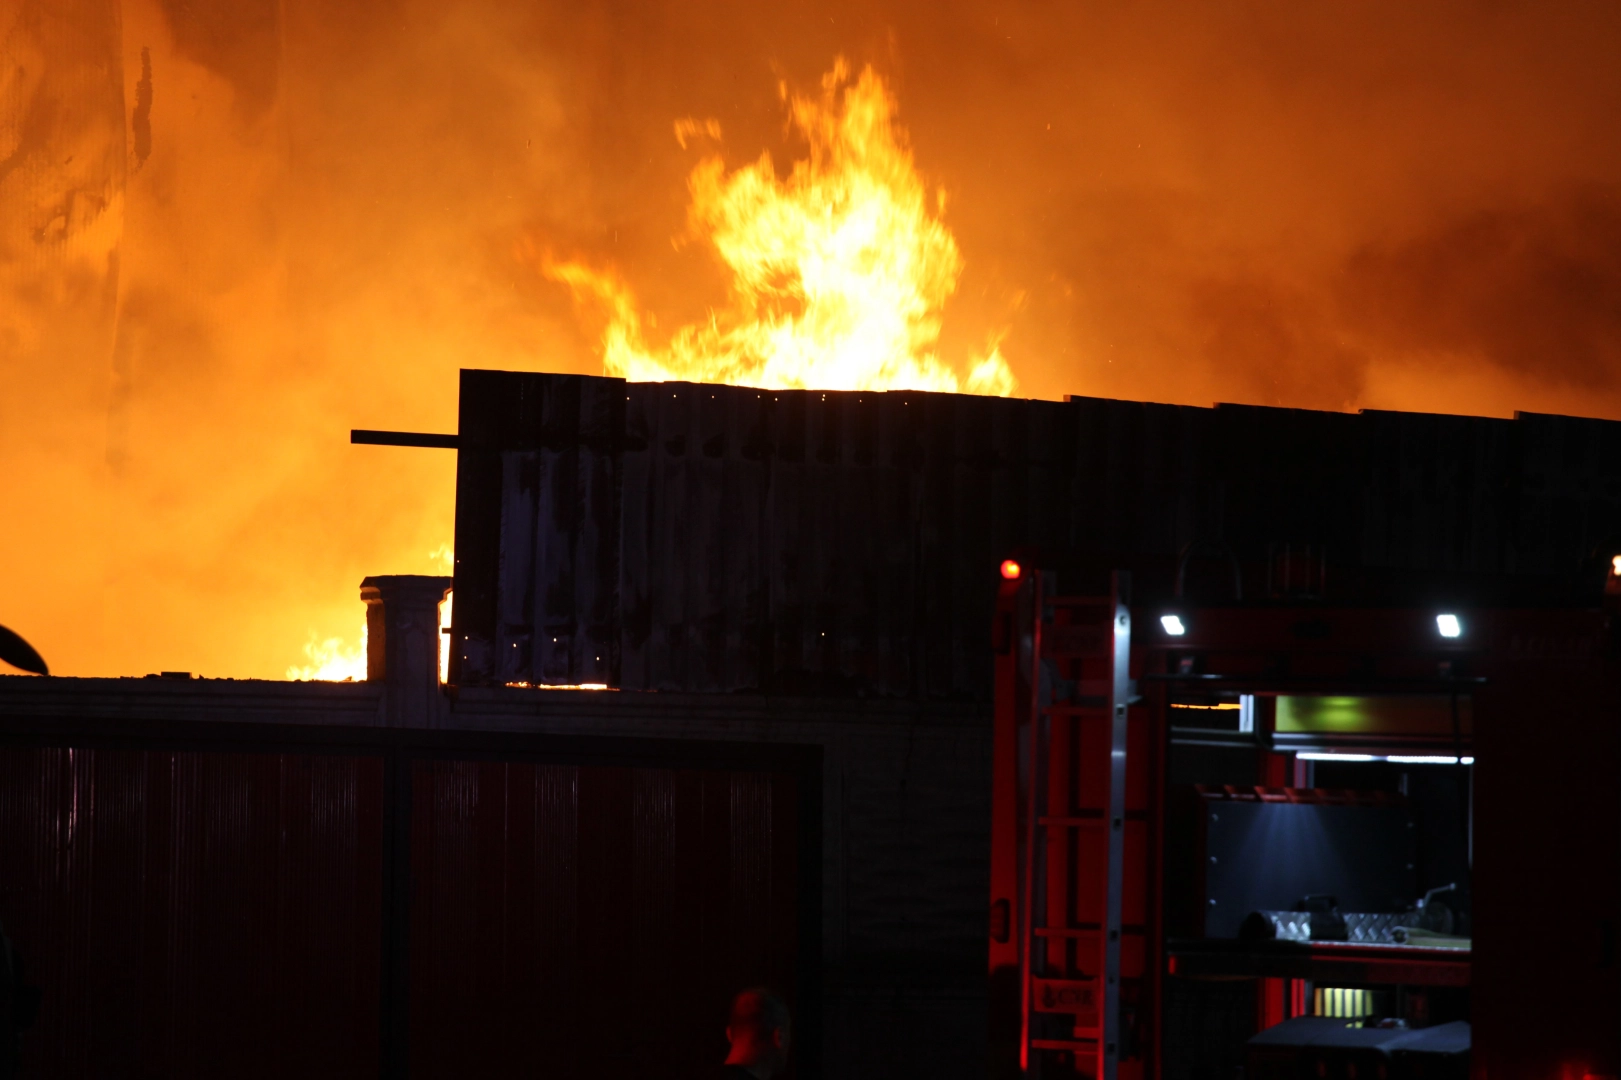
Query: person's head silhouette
point(758, 1032)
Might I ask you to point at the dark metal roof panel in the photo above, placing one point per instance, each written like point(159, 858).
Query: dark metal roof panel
point(679, 536)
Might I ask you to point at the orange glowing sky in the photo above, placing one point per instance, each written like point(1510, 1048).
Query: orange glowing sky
point(229, 232)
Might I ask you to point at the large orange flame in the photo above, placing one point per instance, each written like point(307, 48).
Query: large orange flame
point(839, 272)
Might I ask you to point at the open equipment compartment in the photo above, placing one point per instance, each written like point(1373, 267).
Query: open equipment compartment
point(1317, 852)
point(1214, 823)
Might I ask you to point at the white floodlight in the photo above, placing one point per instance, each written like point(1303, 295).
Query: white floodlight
point(1312, 755)
point(1448, 625)
point(1173, 625)
point(1422, 759)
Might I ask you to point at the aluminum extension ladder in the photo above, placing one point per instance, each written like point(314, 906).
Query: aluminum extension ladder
point(1073, 780)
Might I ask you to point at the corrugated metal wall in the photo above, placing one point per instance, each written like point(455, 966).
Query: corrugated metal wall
point(904, 842)
point(709, 538)
point(195, 914)
point(584, 921)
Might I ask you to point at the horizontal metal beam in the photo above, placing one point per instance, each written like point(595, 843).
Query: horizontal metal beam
point(405, 438)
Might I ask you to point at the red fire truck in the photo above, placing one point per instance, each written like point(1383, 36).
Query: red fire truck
point(1287, 839)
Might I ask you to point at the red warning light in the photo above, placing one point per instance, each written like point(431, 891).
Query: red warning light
point(1011, 570)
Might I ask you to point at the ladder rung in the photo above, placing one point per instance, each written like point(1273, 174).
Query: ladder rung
point(1079, 817)
point(1084, 930)
point(1082, 818)
point(1077, 639)
point(1080, 601)
point(1086, 1044)
point(1086, 705)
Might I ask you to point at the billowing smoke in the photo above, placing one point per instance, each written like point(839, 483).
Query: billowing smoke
point(231, 231)
point(1527, 290)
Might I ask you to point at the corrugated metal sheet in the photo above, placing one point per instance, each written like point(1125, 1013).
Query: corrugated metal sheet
point(397, 902)
point(195, 914)
point(545, 470)
point(586, 920)
point(677, 536)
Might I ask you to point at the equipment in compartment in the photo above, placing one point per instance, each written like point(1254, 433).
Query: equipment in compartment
point(1270, 849)
point(1356, 927)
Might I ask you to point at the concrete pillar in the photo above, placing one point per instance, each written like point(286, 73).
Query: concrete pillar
point(402, 646)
